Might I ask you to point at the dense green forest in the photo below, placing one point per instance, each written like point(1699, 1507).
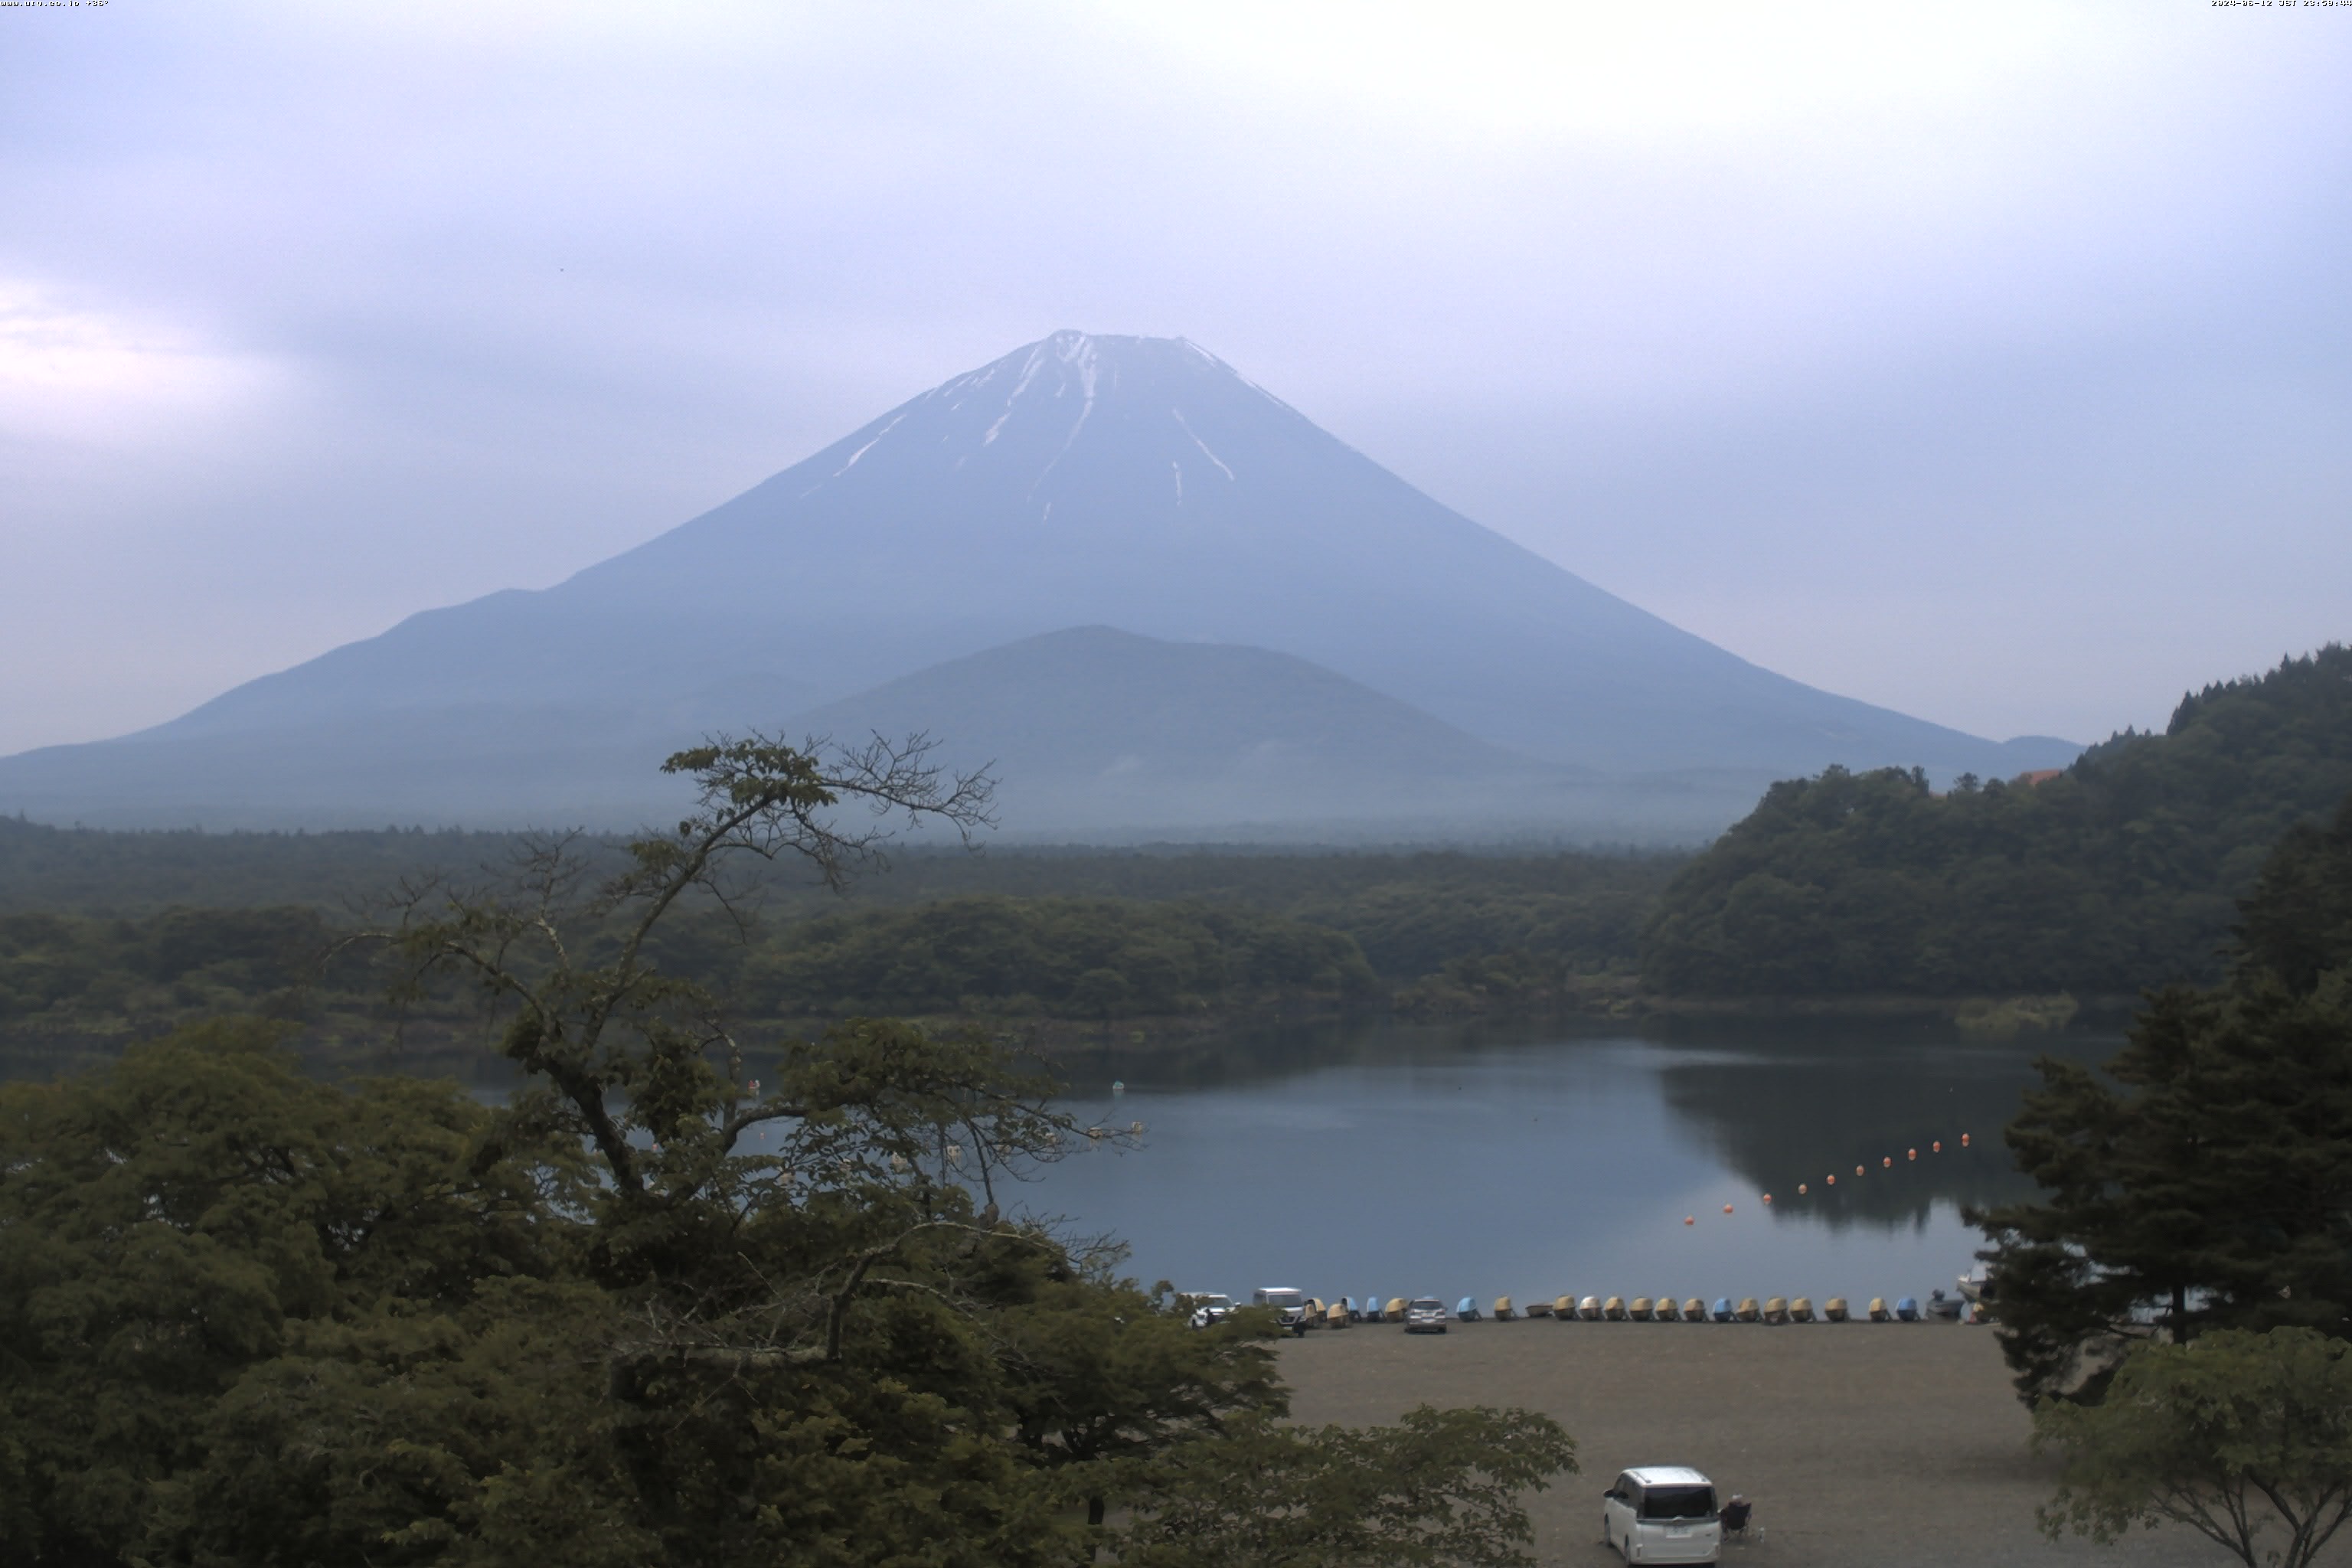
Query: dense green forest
point(685, 1295)
point(2200, 1178)
point(205, 960)
point(1075, 957)
point(2118, 874)
point(105, 936)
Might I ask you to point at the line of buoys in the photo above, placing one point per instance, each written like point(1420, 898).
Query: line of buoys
point(1886, 1162)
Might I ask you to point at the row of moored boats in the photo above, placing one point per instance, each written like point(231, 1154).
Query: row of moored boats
point(1938, 1306)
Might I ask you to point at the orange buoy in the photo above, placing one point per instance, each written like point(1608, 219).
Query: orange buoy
point(1887, 1163)
point(1911, 1154)
point(1936, 1147)
point(1832, 1181)
point(1857, 1170)
point(1801, 1189)
point(1726, 1208)
point(1690, 1219)
point(1768, 1197)
point(1964, 1139)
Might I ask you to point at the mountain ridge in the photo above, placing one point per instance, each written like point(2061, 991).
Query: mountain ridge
point(1080, 480)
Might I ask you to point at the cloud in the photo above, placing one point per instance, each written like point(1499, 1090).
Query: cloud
point(1743, 312)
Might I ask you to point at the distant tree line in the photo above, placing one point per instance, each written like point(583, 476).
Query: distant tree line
point(219, 960)
point(1058, 934)
point(2118, 874)
point(1071, 957)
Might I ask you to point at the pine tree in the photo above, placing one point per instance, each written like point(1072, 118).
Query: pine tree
point(2204, 1179)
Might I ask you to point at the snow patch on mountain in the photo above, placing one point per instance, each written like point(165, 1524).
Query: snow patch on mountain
point(869, 446)
point(1203, 445)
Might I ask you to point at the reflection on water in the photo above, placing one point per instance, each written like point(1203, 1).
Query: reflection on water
point(1399, 1160)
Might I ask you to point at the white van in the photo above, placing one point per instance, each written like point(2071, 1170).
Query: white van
point(1289, 1306)
point(1663, 1514)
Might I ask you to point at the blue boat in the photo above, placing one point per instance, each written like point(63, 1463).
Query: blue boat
point(1721, 1311)
point(1466, 1309)
point(1907, 1309)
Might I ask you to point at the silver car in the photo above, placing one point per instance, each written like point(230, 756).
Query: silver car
point(1425, 1315)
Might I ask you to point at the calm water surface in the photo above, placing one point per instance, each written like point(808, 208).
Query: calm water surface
point(1397, 1159)
point(1394, 1159)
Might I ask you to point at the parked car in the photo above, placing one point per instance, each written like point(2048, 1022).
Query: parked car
point(1425, 1315)
point(1663, 1513)
point(1208, 1307)
point(1289, 1306)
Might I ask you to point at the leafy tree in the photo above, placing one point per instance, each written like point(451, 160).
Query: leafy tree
point(1440, 1487)
point(677, 1299)
point(2118, 874)
point(202, 1211)
point(2205, 1178)
point(2298, 922)
point(1106, 1376)
point(2234, 1436)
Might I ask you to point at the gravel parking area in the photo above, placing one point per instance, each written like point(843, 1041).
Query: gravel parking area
point(1859, 1443)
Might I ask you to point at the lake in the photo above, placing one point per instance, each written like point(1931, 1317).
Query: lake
point(1396, 1160)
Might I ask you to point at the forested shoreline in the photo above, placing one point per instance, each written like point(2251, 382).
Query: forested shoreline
point(1844, 893)
point(2121, 873)
point(106, 936)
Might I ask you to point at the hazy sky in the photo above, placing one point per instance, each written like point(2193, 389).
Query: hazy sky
point(1991, 361)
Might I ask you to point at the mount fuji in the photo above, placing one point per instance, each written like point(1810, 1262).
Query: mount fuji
point(1159, 597)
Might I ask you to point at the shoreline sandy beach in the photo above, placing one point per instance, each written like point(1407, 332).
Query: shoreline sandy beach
point(1860, 1442)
